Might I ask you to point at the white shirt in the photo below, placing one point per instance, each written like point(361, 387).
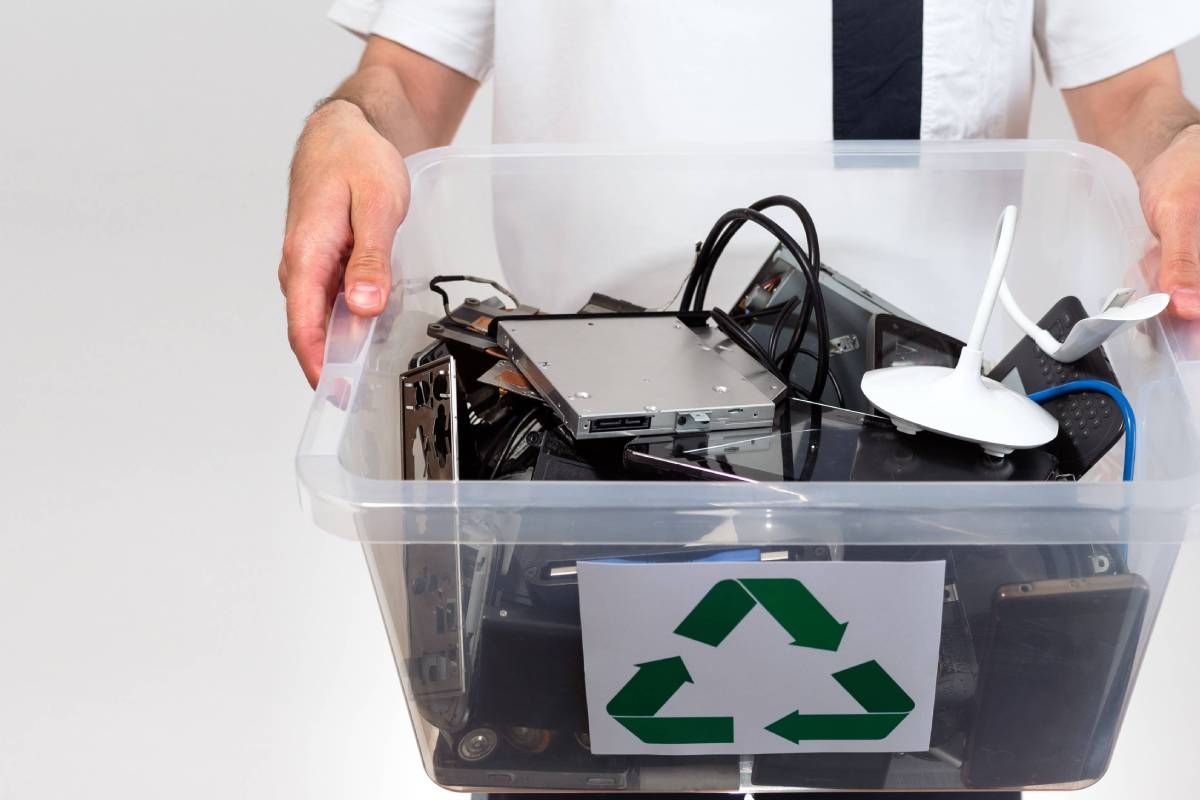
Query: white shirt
point(742, 71)
point(757, 70)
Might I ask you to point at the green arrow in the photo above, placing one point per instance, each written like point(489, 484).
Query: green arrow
point(649, 688)
point(680, 730)
point(870, 685)
point(793, 606)
point(874, 689)
point(717, 613)
point(797, 727)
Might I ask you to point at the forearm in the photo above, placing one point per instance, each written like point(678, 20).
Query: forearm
point(1152, 122)
point(1136, 114)
point(379, 94)
point(414, 102)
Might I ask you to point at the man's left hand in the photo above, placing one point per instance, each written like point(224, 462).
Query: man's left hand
point(1171, 201)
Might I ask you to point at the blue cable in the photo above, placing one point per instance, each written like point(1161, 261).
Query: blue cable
point(1117, 396)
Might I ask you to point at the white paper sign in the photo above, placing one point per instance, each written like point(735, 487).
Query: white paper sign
point(750, 658)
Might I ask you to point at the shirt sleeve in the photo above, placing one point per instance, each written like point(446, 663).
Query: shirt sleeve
point(1084, 41)
point(457, 33)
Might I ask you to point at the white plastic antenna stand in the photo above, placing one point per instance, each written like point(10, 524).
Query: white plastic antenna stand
point(961, 402)
point(1087, 334)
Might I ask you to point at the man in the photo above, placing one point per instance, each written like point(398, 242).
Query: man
point(707, 70)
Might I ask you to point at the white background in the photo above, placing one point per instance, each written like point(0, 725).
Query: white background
point(170, 624)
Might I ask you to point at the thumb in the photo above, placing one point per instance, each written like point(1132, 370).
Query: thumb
point(1179, 273)
point(375, 214)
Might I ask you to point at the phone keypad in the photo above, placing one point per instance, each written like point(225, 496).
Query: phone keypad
point(1089, 422)
point(1080, 415)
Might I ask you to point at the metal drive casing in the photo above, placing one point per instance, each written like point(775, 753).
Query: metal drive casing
point(610, 376)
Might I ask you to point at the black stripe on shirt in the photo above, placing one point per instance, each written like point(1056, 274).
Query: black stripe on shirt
point(877, 69)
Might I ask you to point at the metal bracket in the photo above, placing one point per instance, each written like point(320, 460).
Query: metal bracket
point(428, 422)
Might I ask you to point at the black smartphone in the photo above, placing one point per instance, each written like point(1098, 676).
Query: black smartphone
point(1053, 680)
point(1089, 422)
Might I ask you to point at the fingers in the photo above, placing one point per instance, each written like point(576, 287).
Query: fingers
point(348, 194)
point(309, 280)
point(1170, 189)
point(375, 213)
point(361, 217)
point(1179, 239)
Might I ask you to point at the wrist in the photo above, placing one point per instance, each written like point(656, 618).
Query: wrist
point(1187, 132)
point(1187, 135)
point(338, 107)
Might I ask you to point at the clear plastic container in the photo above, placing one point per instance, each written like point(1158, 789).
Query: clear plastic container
point(493, 674)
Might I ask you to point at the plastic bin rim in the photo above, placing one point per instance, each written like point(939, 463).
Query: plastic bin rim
point(892, 147)
point(1144, 510)
point(323, 480)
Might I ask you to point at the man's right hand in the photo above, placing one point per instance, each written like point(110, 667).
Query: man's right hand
point(350, 186)
point(349, 193)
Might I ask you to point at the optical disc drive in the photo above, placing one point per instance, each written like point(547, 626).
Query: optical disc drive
point(609, 376)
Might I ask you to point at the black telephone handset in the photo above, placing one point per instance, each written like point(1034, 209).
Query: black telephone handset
point(1089, 422)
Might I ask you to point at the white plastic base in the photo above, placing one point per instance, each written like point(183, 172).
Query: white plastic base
point(960, 403)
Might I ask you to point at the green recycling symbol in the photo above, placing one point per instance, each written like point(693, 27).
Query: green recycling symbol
point(793, 606)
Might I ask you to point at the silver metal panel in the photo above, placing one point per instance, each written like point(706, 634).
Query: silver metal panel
point(740, 360)
point(428, 422)
point(622, 376)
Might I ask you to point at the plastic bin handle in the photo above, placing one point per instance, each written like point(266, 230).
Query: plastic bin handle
point(1183, 337)
point(345, 348)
